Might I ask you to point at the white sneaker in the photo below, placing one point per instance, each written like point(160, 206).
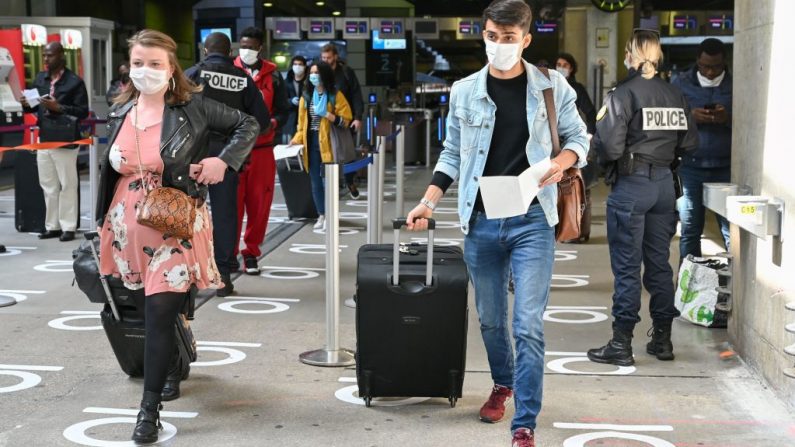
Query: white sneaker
point(321, 223)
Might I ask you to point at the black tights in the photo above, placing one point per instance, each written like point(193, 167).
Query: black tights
point(161, 314)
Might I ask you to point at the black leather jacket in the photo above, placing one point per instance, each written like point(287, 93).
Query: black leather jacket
point(185, 130)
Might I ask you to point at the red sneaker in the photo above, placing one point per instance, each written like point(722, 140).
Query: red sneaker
point(524, 437)
point(494, 408)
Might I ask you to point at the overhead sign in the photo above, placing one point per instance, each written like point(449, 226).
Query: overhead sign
point(356, 28)
point(320, 28)
point(426, 29)
point(35, 35)
point(286, 28)
point(469, 29)
point(71, 39)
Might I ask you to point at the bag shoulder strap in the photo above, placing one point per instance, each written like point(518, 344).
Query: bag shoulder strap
point(552, 116)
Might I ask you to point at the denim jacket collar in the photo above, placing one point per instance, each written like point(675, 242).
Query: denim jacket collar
point(535, 80)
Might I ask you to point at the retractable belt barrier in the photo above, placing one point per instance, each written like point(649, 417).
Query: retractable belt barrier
point(92, 141)
point(49, 144)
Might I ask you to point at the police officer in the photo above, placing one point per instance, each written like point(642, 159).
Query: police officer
point(642, 128)
point(230, 85)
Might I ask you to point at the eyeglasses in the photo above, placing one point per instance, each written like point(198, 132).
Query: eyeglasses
point(716, 67)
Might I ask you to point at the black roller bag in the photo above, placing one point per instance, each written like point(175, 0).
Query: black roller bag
point(296, 187)
point(123, 314)
point(411, 320)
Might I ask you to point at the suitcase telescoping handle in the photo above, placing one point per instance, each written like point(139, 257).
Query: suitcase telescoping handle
point(90, 235)
point(397, 224)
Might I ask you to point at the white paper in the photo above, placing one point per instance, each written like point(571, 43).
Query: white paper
point(32, 96)
point(508, 196)
point(286, 150)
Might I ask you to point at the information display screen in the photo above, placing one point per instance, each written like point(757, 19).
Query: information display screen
point(387, 44)
point(204, 32)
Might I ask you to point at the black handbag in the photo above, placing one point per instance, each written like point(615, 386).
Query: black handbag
point(60, 127)
point(87, 271)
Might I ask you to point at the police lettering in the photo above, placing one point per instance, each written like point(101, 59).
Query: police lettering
point(664, 118)
point(222, 81)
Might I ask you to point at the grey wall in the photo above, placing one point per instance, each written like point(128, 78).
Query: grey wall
point(763, 157)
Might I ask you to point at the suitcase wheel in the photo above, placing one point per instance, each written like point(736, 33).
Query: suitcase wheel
point(367, 401)
point(453, 400)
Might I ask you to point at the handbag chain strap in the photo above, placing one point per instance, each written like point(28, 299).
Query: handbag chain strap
point(138, 150)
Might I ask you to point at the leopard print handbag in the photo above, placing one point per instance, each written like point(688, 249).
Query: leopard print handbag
point(168, 210)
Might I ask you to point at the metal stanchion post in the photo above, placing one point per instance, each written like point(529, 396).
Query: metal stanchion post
point(93, 172)
point(428, 115)
point(332, 355)
point(400, 167)
point(380, 163)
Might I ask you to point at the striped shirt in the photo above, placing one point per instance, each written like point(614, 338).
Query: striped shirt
point(315, 120)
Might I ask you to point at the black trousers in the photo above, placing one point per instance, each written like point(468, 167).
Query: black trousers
point(223, 202)
point(641, 221)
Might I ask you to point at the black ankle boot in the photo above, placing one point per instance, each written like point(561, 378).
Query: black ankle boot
point(148, 425)
point(660, 344)
point(177, 372)
point(618, 351)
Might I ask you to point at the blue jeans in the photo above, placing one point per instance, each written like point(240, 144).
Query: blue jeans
point(691, 207)
point(316, 173)
point(492, 249)
point(641, 222)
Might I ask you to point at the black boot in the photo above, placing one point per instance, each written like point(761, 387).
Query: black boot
point(660, 344)
point(177, 372)
point(618, 351)
point(148, 425)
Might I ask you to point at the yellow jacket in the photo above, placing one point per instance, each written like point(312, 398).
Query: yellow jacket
point(340, 109)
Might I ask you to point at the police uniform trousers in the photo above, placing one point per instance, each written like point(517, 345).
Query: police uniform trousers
point(59, 181)
point(223, 204)
point(254, 198)
point(641, 221)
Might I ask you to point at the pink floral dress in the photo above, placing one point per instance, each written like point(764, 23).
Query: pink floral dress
point(138, 254)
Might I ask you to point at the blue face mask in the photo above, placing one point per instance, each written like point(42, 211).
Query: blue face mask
point(314, 78)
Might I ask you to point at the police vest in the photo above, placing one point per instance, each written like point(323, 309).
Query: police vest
point(224, 83)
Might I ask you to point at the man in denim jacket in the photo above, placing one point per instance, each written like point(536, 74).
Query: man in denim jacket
point(498, 126)
point(708, 90)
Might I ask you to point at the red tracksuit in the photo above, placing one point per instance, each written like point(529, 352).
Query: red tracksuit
point(257, 181)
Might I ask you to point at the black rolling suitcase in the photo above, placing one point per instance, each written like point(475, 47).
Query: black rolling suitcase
point(29, 209)
point(123, 315)
point(296, 187)
point(411, 320)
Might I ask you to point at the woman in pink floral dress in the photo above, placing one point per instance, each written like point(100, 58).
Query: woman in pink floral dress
point(161, 117)
point(140, 255)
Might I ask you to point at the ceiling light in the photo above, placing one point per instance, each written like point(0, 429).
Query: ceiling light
point(320, 3)
point(336, 13)
point(267, 5)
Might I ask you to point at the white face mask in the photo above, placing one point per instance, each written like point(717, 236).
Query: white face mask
point(249, 57)
point(299, 70)
point(564, 71)
point(148, 80)
point(502, 56)
point(710, 83)
point(628, 64)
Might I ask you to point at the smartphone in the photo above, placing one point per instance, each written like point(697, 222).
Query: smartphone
point(711, 106)
point(47, 97)
point(195, 170)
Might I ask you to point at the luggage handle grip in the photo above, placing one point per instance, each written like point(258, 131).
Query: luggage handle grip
point(400, 222)
point(397, 224)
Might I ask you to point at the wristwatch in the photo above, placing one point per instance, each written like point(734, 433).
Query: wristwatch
point(428, 203)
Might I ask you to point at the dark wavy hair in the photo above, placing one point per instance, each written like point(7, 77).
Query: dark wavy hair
point(326, 78)
point(290, 74)
point(570, 59)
